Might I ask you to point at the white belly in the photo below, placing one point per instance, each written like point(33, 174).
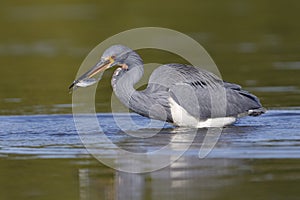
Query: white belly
point(182, 118)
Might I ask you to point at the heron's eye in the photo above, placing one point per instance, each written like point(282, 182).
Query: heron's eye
point(111, 59)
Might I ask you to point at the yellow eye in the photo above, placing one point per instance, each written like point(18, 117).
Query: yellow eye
point(112, 59)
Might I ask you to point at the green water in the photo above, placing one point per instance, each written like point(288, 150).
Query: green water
point(42, 44)
point(228, 179)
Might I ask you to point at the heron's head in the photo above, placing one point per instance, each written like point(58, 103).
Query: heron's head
point(115, 55)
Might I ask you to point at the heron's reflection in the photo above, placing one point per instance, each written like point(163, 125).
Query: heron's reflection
point(200, 176)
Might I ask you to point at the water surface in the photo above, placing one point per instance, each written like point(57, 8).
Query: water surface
point(258, 154)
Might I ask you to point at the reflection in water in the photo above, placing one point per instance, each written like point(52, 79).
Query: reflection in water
point(91, 187)
point(218, 175)
point(174, 182)
point(259, 153)
point(124, 151)
point(188, 178)
point(129, 186)
point(182, 180)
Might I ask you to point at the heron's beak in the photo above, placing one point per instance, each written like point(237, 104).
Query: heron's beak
point(99, 67)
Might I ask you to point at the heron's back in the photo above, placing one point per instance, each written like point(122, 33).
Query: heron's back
point(201, 93)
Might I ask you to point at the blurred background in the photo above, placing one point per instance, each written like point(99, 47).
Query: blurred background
point(254, 43)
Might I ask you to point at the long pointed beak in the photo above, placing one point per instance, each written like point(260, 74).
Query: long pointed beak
point(99, 67)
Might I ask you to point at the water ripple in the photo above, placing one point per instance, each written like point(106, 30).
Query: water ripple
point(273, 135)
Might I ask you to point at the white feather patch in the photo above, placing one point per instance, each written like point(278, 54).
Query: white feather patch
point(182, 118)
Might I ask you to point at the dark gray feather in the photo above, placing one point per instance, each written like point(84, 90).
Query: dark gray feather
point(201, 93)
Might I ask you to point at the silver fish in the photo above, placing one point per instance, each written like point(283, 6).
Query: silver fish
point(86, 82)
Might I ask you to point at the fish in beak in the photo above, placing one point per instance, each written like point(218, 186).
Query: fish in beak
point(87, 79)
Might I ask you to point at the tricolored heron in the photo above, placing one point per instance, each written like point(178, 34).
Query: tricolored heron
point(176, 93)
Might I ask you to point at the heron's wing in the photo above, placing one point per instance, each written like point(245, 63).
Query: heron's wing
point(152, 102)
point(201, 102)
point(171, 74)
point(201, 93)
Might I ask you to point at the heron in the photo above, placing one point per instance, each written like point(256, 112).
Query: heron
point(180, 94)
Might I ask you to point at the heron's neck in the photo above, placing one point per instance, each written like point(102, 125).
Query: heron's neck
point(124, 80)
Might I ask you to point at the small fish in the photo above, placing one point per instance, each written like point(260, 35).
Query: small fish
point(82, 83)
point(86, 82)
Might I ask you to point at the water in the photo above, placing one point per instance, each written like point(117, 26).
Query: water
point(254, 157)
point(254, 43)
point(272, 135)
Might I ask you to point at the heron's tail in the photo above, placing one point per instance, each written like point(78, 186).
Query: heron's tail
point(241, 102)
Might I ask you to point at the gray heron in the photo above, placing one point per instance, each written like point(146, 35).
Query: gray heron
point(176, 93)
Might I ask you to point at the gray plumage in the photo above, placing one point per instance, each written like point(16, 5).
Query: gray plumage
point(171, 80)
point(200, 93)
